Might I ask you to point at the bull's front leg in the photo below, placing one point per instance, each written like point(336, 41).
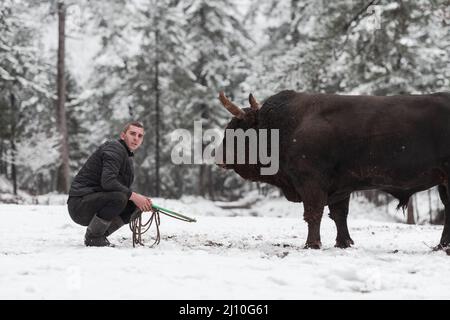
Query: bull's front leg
point(339, 213)
point(314, 201)
point(313, 217)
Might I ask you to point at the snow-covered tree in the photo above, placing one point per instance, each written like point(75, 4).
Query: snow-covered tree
point(406, 52)
point(24, 91)
point(218, 46)
point(371, 47)
point(173, 59)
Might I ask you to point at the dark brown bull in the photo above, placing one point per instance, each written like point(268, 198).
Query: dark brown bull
point(332, 145)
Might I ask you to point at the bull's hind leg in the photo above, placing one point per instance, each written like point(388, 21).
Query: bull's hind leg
point(445, 198)
point(339, 213)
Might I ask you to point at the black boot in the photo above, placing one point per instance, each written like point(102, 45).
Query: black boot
point(116, 224)
point(95, 233)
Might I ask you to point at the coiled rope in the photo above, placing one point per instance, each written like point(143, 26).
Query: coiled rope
point(138, 228)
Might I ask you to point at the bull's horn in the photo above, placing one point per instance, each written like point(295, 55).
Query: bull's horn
point(253, 103)
point(230, 106)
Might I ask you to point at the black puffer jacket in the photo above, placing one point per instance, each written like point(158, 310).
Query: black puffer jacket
point(109, 168)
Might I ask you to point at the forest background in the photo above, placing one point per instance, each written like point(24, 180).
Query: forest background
point(73, 72)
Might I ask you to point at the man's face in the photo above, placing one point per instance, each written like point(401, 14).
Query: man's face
point(133, 137)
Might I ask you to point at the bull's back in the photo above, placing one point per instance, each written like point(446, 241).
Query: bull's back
point(389, 127)
point(384, 140)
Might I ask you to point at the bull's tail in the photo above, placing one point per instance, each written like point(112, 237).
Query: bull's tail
point(403, 203)
point(403, 199)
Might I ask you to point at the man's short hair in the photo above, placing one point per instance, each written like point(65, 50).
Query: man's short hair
point(132, 123)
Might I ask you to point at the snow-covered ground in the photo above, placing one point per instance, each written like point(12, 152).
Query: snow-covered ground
point(224, 255)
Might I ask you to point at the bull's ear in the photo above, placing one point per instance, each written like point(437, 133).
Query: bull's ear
point(231, 107)
point(253, 103)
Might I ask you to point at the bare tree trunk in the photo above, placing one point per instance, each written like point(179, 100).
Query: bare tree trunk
point(204, 114)
point(13, 166)
point(2, 163)
point(368, 194)
point(178, 183)
point(63, 172)
point(40, 183)
point(13, 143)
point(157, 117)
point(410, 212)
point(201, 179)
point(416, 207)
point(211, 183)
point(148, 189)
point(295, 34)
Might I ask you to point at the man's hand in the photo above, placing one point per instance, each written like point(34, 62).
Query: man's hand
point(142, 202)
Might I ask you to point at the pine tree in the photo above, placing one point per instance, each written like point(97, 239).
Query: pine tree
point(219, 44)
point(171, 78)
point(407, 53)
point(24, 91)
point(138, 83)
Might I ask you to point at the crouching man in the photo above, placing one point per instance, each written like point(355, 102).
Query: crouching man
point(100, 196)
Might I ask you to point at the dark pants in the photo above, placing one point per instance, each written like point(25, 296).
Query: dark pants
point(107, 205)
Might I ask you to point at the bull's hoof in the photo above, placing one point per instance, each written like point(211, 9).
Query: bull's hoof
point(313, 245)
point(347, 243)
point(442, 247)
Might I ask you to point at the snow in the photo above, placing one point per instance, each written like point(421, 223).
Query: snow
point(227, 254)
point(5, 185)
